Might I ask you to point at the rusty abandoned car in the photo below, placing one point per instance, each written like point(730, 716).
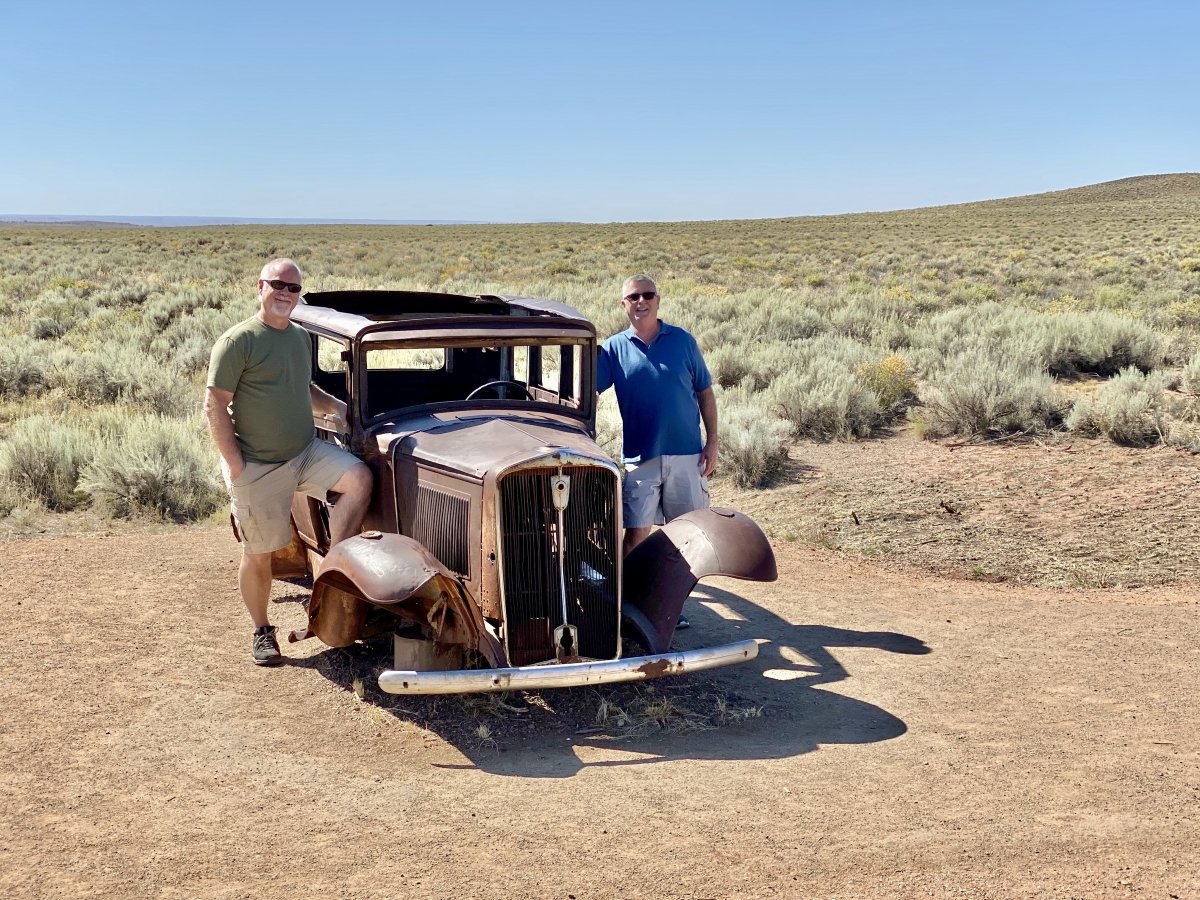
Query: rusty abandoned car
point(492, 549)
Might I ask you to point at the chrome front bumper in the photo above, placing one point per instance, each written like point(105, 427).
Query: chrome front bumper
point(527, 678)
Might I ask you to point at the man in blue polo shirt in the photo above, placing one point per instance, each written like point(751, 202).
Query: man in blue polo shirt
point(664, 390)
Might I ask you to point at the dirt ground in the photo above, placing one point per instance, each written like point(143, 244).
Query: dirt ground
point(970, 709)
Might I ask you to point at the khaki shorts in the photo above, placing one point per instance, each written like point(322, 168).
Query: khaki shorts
point(661, 489)
point(262, 493)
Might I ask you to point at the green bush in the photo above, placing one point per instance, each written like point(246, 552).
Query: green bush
point(41, 459)
point(158, 467)
point(1128, 410)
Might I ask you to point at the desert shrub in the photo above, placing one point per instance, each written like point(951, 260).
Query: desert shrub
point(728, 365)
point(824, 400)
point(758, 364)
point(986, 330)
point(124, 374)
point(10, 498)
point(561, 267)
point(45, 328)
point(770, 359)
point(890, 378)
point(1181, 313)
point(130, 293)
point(1128, 410)
point(42, 457)
point(158, 467)
point(1069, 343)
point(162, 392)
point(88, 377)
point(974, 396)
point(185, 342)
point(609, 432)
point(754, 443)
point(179, 302)
point(768, 316)
point(813, 385)
point(1099, 343)
point(1191, 375)
point(22, 367)
point(864, 316)
point(1181, 435)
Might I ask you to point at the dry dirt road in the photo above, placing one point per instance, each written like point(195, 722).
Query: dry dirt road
point(918, 737)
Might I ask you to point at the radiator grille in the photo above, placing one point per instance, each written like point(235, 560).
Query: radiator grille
point(529, 543)
point(440, 524)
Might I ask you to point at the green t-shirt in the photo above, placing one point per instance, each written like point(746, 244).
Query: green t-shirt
point(268, 370)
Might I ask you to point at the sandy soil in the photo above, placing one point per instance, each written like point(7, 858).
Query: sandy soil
point(902, 733)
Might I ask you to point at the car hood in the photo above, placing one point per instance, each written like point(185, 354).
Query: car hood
point(476, 446)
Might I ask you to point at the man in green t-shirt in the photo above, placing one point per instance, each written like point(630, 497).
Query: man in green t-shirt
point(260, 416)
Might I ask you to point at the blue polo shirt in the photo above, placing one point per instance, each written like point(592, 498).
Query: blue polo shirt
point(656, 390)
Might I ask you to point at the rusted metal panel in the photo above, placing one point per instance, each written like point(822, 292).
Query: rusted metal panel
point(484, 443)
point(662, 570)
point(395, 573)
point(351, 313)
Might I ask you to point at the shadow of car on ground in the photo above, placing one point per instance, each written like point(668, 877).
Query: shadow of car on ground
point(772, 707)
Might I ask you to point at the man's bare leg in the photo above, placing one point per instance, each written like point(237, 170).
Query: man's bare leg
point(254, 580)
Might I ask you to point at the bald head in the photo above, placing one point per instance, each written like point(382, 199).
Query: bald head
point(282, 268)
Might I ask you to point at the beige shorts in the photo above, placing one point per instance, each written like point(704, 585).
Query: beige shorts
point(661, 489)
point(262, 493)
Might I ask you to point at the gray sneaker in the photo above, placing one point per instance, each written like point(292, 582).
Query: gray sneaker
point(266, 648)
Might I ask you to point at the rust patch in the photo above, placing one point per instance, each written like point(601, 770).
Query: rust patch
point(655, 668)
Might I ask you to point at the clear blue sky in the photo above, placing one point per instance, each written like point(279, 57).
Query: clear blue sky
point(617, 111)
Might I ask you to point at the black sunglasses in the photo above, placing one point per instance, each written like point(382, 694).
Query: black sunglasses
point(644, 295)
point(278, 285)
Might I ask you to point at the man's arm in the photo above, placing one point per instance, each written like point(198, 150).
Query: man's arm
point(326, 405)
point(220, 426)
point(708, 414)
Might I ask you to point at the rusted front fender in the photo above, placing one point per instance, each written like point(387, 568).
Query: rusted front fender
point(398, 574)
point(661, 571)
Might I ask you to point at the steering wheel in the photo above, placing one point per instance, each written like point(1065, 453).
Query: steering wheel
point(500, 386)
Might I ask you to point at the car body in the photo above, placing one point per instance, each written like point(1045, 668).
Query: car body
point(492, 545)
